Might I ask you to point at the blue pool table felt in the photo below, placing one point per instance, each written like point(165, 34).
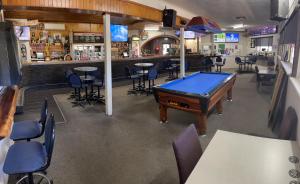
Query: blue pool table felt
point(198, 83)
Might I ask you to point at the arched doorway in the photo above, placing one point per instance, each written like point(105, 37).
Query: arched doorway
point(161, 45)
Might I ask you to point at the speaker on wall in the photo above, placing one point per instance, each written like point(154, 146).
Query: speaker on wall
point(169, 18)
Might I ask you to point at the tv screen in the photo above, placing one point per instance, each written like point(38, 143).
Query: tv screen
point(22, 33)
point(263, 30)
point(219, 38)
point(187, 34)
point(232, 37)
point(119, 33)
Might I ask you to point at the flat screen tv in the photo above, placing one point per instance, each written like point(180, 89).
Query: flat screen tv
point(22, 33)
point(119, 33)
point(187, 34)
point(219, 38)
point(232, 37)
point(263, 30)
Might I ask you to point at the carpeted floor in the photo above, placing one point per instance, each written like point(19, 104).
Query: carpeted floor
point(132, 147)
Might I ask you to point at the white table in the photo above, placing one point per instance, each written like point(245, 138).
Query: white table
point(233, 158)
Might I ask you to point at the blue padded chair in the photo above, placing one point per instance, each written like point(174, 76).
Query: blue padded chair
point(99, 83)
point(31, 158)
point(152, 75)
point(77, 84)
point(30, 129)
point(132, 73)
point(241, 64)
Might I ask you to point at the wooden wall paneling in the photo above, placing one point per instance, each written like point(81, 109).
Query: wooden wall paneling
point(122, 7)
point(80, 4)
point(63, 3)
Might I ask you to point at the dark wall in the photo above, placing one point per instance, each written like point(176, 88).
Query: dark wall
point(41, 74)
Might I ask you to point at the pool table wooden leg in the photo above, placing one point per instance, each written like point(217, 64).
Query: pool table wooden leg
point(219, 106)
point(202, 123)
point(163, 113)
point(229, 94)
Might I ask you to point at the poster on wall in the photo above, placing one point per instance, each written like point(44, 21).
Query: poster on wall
point(219, 38)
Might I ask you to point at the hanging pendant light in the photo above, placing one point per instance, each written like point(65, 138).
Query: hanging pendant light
point(203, 25)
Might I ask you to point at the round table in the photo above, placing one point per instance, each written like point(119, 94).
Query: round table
point(86, 69)
point(144, 67)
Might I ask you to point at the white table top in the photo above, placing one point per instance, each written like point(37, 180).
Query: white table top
point(143, 64)
point(233, 158)
point(86, 69)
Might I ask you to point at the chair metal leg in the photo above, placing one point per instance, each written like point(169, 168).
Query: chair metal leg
point(30, 180)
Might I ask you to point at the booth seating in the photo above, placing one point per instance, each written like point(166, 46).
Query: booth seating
point(187, 155)
point(30, 129)
point(32, 158)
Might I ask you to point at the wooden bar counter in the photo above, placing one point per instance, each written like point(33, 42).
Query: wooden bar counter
point(8, 100)
point(52, 72)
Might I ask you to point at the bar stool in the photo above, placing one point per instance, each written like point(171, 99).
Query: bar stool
point(31, 158)
point(77, 84)
point(30, 129)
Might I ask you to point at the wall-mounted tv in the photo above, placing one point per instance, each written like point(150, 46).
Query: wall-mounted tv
point(22, 33)
point(232, 37)
point(263, 30)
point(119, 33)
point(219, 38)
point(187, 34)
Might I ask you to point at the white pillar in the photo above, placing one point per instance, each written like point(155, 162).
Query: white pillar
point(107, 65)
point(182, 53)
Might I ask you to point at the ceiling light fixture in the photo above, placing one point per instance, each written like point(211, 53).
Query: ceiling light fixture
point(238, 26)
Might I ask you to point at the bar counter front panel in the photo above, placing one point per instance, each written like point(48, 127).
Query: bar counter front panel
point(53, 72)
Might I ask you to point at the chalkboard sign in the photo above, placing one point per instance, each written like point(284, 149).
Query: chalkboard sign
point(88, 38)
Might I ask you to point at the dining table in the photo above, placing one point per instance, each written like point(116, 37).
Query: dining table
point(86, 69)
point(234, 158)
point(144, 71)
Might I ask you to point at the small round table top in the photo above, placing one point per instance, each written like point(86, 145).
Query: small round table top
point(143, 64)
point(175, 59)
point(86, 69)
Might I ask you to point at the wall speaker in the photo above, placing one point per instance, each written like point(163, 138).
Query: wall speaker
point(169, 18)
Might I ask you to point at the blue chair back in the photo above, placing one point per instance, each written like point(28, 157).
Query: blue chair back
point(152, 73)
point(187, 66)
point(238, 60)
point(44, 114)
point(68, 73)
point(219, 59)
point(224, 61)
point(49, 138)
point(75, 80)
point(97, 74)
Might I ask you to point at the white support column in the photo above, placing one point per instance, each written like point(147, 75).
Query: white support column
point(182, 53)
point(107, 65)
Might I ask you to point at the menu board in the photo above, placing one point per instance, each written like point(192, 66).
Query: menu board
point(219, 38)
point(88, 38)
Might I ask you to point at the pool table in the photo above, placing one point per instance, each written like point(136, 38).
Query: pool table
point(197, 93)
